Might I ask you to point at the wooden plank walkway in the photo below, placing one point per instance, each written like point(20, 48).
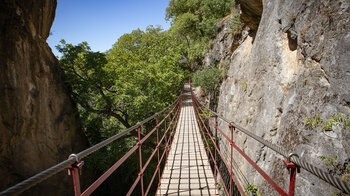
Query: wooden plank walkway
point(187, 171)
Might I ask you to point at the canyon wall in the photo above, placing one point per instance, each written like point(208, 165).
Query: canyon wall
point(290, 63)
point(39, 125)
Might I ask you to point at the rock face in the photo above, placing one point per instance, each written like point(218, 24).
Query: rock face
point(251, 12)
point(38, 123)
point(296, 66)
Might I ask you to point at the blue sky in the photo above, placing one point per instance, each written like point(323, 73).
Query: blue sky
point(102, 22)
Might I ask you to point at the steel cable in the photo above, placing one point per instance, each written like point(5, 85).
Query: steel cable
point(333, 180)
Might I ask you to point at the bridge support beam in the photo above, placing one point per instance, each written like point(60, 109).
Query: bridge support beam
point(292, 170)
point(158, 155)
point(215, 153)
point(231, 168)
point(140, 158)
point(75, 171)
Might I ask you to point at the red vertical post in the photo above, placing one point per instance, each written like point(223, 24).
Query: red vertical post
point(140, 157)
point(208, 116)
point(292, 181)
point(165, 119)
point(75, 170)
point(207, 132)
point(231, 172)
point(158, 165)
point(173, 125)
point(165, 138)
point(215, 153)
point(292, 169)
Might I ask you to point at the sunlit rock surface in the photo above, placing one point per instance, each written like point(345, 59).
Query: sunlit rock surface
point(297, 65)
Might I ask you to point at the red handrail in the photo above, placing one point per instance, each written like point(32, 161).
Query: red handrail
point(232, 176)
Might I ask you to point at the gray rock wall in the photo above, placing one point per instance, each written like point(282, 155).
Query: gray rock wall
point(296, 65)
point(39, 126)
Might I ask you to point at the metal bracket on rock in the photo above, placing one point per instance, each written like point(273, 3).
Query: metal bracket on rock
point(77, 165)
point(290, 164)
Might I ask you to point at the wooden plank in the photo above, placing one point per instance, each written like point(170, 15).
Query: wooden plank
point(187, 171)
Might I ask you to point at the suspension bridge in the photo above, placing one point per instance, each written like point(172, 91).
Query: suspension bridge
point(187, 154)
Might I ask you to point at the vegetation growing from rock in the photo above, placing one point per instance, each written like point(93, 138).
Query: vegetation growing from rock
point(327, 125)
point(252, 189)
point(194, 21)
point(236, 23)
point(208, 79)
point(336, 167)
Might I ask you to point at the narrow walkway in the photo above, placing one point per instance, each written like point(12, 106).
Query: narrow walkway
point(187, 171)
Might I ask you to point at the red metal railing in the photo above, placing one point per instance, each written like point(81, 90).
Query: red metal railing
point(74, 163)
point(162, 140)
point(211, 139)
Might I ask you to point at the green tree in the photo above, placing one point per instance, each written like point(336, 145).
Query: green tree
point(92, 83)
point(150, 76)
point(208, 79)
point(194, 21)
point(139, 76)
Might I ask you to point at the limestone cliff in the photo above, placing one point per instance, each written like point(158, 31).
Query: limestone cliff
point(38, 123)
point(290, 65)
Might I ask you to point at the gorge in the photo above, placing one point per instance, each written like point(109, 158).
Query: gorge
point(285, 68)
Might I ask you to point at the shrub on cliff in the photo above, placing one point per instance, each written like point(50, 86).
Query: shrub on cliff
point(193, 21)
point(208, 79)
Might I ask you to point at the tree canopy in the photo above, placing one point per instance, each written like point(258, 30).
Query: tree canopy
point(197, 18)
point(194, 21)
point(139, 76)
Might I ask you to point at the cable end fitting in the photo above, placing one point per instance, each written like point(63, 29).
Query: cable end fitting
point(74, 156)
